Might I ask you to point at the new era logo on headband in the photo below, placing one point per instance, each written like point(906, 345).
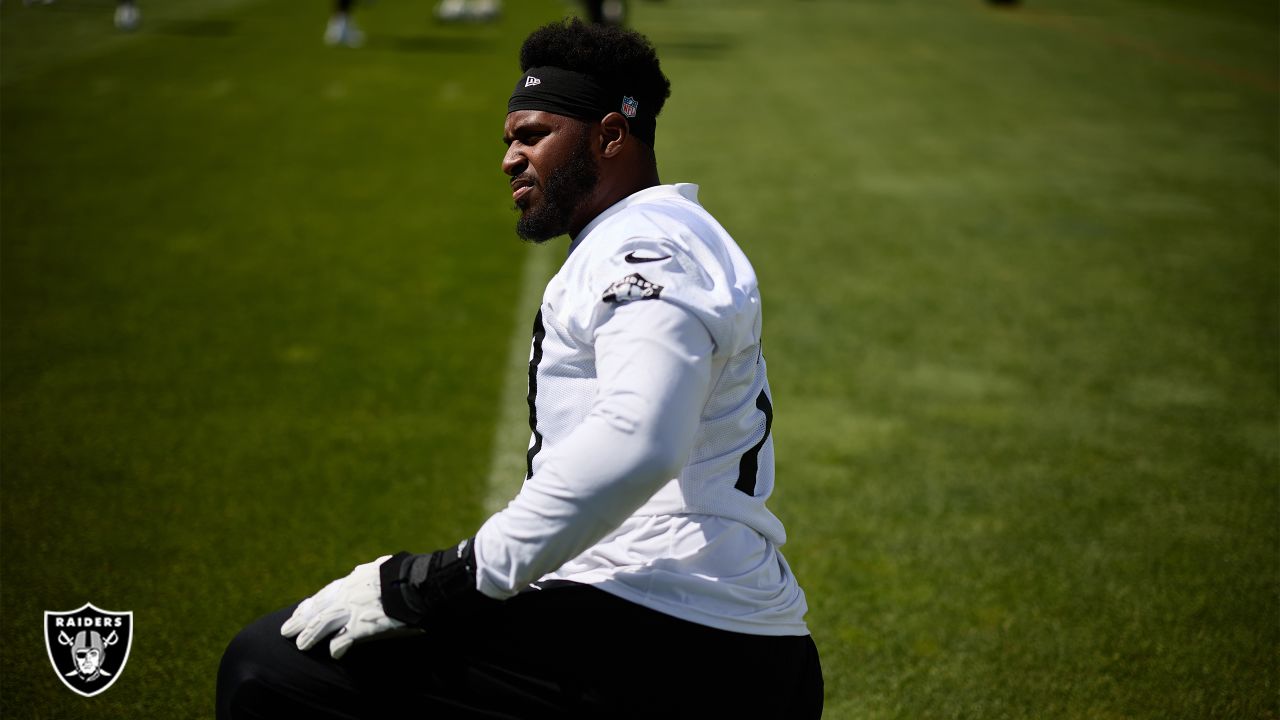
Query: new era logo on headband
point(531, 81)
point(629, 106)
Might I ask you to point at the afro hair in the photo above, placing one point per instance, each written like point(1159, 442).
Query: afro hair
point(617, 58)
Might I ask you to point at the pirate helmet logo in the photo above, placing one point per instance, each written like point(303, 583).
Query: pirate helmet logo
point(88, 646)
point(630, 288)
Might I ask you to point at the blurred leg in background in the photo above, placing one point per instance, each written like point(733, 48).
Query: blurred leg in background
point(342, 29)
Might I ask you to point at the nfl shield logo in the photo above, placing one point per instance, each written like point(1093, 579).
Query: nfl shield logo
point(88, 646)
point(629, 106)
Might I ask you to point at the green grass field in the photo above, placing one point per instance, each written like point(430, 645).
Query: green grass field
point(1021, 273)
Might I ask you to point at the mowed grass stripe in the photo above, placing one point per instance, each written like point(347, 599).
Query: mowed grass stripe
point(1020, 304)
point(38, 37)
point(1090, 31)
point(1020, 308)
point(245, 278)
point(508, 462)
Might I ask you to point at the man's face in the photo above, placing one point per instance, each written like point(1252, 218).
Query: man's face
point(87, 660)
point(553, 172)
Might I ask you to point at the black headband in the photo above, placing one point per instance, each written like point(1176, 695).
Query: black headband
point(578, 95)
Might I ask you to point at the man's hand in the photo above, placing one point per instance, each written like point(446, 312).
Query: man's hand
point(351, 606)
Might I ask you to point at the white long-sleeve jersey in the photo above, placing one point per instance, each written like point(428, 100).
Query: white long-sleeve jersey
point(651, 455)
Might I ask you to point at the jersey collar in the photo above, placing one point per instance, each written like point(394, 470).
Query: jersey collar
point(689, 191)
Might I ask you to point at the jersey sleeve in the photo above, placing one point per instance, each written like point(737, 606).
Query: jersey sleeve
point(681, 269)
point(654, 374)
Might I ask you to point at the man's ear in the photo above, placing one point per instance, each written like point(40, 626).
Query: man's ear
point(614, 134)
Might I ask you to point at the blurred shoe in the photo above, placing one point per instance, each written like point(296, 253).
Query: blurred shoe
point(451, 10)
point(333, 31)
point(342, 31)
point(485, 10)
point(127, 17)
point(468, 10)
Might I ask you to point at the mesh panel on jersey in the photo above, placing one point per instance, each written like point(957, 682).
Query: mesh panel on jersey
point(731, 424)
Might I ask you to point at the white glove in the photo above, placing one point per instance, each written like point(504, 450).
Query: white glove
point(352, 606)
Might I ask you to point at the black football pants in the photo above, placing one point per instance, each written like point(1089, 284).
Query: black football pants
point(569, 651)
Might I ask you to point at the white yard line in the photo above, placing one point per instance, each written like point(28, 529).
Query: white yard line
point(511, 435)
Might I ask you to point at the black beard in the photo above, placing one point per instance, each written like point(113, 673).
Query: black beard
point(566, 188)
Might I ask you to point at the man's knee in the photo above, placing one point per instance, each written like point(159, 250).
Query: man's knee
point(245, 687)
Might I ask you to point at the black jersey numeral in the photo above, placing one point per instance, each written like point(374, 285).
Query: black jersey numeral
point(749, 466)
point(539, 332)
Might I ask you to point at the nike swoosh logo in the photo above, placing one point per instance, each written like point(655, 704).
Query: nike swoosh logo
point(631, 258)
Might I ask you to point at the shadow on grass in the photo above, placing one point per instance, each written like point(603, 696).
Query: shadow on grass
point(704, 46)
point(197, 28)
point(444, 44)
